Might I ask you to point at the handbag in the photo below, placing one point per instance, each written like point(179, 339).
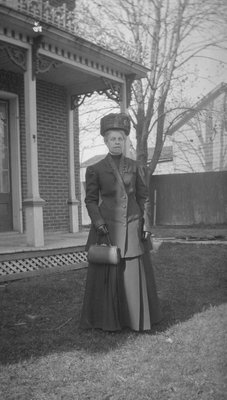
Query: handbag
point(103, 253)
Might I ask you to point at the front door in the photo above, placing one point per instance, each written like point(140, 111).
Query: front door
point(5, 182)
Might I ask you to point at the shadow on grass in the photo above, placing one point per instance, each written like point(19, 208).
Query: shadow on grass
point(40, 315)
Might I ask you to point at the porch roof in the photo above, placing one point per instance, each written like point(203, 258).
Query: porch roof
point(75, 63)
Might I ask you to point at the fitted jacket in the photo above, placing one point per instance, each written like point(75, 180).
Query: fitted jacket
point(119, 199)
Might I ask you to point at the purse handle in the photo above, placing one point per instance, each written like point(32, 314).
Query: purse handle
point(108, 239)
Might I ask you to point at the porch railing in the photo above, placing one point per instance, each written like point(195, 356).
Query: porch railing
point(42, 11)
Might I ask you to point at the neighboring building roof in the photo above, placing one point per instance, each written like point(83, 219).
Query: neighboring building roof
point(198, 107)
point(92, 160)
point(166, 154)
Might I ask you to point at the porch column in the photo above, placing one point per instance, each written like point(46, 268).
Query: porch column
point(123, 107)
point(33, 203)
point(72, 201)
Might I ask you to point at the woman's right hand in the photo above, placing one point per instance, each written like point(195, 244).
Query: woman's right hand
point(102, 230)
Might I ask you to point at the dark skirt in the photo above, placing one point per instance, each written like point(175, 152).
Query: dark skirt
point(122, 296)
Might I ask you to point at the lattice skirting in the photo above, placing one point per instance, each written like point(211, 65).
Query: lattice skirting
point(42, 262)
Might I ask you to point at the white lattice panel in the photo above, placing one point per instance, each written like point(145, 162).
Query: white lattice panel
point(43, 262)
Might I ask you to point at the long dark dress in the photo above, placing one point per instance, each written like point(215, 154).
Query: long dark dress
point(122, 296)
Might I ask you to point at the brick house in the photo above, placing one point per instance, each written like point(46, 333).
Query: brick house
point(46, 71)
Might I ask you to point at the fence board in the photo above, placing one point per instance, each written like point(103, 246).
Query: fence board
point(189, 199)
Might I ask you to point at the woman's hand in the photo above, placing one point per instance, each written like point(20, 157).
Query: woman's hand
point(146, 235)
point(102, 230)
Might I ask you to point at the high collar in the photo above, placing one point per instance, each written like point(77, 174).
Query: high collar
point(115, 155)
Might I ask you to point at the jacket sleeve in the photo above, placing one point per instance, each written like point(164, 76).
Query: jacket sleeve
point(92, 197)
point(142, 197)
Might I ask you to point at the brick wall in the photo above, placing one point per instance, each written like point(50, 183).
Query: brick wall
point(53, 155)
point(52, 148)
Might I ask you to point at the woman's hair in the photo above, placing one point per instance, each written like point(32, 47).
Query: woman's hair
point(111, 130)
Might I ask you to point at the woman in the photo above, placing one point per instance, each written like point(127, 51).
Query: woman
point(122, 296)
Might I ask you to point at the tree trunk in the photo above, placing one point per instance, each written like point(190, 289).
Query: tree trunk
point(142, 151)
point(159, 137)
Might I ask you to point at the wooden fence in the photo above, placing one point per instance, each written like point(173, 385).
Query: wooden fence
point(189, 199)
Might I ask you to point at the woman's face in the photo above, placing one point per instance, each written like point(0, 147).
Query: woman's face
point(115, 141)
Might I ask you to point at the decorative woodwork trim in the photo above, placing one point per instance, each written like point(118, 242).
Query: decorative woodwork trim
point(16, 54)
point(113, 91)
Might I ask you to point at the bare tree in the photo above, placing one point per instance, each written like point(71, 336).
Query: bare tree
point(165, 35)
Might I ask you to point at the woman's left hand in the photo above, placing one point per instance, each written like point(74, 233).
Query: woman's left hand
point(146, 235)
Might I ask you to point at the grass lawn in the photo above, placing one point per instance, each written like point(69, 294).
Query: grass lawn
point(44, 356)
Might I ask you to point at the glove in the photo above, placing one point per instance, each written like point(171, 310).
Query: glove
point(102, 230)
point(146, 235)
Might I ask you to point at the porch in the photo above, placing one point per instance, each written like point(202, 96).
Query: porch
point(47, 69)
point(66, 251)
point(14, 242)
point(60, 251)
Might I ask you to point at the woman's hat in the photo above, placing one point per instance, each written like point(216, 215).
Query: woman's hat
point(115, 121)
